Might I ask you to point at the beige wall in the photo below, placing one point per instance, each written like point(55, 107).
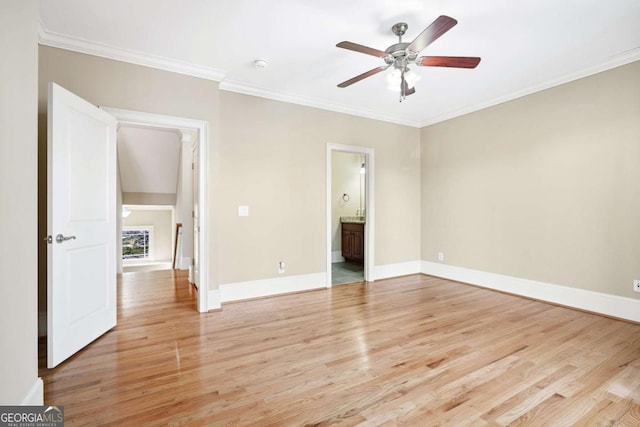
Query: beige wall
point(273, 159)
point(163, 230)
point(345, 179)
point(541, 187)
point(127, 86)
point(18, 210)
point(545, 187)
point(267, 154)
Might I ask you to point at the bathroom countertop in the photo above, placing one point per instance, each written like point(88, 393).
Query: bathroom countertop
point(352, 219)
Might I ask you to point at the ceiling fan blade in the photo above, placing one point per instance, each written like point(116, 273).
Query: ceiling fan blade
point(362, 49)
point(363, 76)
point(441, 25)
point(449, 61)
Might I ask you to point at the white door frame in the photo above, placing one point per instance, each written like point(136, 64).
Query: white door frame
point(195, 217)
point(369, 238)
point(202, 127)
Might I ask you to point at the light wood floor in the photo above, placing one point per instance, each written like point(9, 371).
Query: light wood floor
point(415, 350)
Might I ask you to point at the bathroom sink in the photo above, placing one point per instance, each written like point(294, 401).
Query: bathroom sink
point(353, 219)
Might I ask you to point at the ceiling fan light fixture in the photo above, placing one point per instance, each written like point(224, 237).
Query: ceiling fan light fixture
point(411, 78)
point(394, 79)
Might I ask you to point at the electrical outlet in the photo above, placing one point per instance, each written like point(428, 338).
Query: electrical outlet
point(281, 267)
point(440, 256)
point(636, 285)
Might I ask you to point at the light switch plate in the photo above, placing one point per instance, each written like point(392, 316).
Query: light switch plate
point(243, 210)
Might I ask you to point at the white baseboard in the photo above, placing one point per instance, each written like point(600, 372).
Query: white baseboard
point(35, 396)
point(184, 263)
point(597, 302)
point(394, 270)
point(273, 286)
point(214, 300)
point(336, 256)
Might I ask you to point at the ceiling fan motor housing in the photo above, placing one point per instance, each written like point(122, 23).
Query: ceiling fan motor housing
point(399, 55)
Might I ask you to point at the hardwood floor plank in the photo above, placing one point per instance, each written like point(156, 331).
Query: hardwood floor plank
point(415, 350)
point(631, 417)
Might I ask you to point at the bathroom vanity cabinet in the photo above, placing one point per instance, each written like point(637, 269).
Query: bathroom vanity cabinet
point(353, 241)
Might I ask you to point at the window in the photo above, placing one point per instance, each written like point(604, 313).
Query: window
point(137, 243)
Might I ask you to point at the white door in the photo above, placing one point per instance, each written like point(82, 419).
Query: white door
point(195, 170)
point(81, 223)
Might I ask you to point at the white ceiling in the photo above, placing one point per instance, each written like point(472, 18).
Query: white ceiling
point(525, 45)
point(148, 159)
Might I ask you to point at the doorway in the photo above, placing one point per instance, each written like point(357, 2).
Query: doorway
point(83, 213)
point(154, 184)
point(350, 214)
point(200, 129)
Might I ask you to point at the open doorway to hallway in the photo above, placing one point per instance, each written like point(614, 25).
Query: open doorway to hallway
point(155, 167)
point(200, 198)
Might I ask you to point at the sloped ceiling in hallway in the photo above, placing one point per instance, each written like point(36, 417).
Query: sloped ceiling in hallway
point(148, 160)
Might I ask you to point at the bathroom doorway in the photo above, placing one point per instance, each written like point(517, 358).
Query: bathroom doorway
point(349, 214)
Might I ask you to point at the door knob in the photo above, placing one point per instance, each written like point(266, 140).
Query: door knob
point(60, 238)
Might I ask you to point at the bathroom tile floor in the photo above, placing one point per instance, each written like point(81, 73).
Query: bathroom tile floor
point(346, 272)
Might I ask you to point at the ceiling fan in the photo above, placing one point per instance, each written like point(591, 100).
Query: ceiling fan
point(401, 55)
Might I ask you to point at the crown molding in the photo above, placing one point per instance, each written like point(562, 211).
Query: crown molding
point(231, 86)
point(61, 41)
point(610, 63)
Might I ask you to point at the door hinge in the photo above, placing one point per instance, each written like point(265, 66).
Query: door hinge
point(193, 214)
point(193, 166)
